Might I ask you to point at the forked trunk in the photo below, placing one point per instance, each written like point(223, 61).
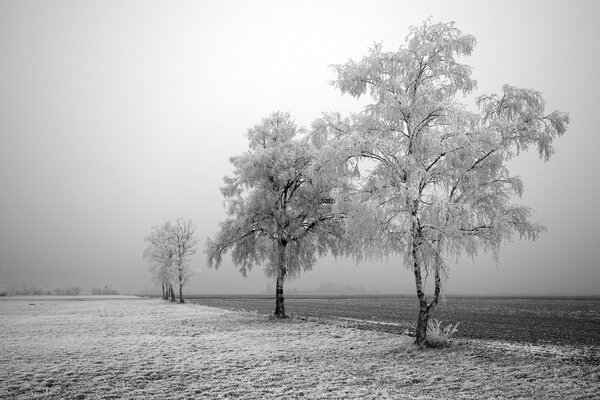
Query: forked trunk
point(281, 271)
point(421, 331)
point(424, 307)
point(422, 326)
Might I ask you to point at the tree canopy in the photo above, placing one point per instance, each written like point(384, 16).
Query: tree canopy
point(279, 205)
point(439, 185)
point(169, 248)
point(436, 183)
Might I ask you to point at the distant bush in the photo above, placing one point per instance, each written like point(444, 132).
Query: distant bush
point(35, 290)
point(106, 290)
point(68, 291)
point(438, 336)
point(3, 290)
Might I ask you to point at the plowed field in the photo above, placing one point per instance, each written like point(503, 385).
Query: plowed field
point(558, 320)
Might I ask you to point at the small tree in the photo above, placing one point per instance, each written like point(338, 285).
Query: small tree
point(279, 206)
point(182, 243)
point(159, 252)
point(170, 247)
point(439, 185)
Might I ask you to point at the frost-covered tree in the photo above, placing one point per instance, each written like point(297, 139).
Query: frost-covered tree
point(159, 253)
point(279, 206)
point(183, 245)
point(438, 184)
point(169, 248)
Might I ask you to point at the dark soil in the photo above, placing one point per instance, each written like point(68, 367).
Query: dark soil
point(558, 320)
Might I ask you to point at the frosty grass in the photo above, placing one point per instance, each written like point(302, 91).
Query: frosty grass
point(149, 349)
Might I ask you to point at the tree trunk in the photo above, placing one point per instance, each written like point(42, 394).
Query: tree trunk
point(172, 293)
point(181, 284)
point(279, 299)
point(421, 338)
point(421, 331)
point(181, 293)
point(164, 294)
point(281, 271)
point(424, 308)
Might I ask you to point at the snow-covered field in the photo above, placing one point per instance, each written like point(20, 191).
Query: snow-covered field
point(149, 349)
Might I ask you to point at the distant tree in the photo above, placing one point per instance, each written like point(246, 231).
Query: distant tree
point(35, 290)
point(183, 245)
point(160, 253)
point(68, 291)
point(169, 248)
point(279, 206)
point(439, 185)
point(105, 291)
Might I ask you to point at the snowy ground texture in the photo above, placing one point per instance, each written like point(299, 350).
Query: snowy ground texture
point(149, 349)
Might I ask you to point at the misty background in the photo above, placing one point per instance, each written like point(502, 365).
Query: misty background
point(119, 115)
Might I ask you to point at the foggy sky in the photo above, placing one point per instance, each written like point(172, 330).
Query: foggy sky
point(116, 116)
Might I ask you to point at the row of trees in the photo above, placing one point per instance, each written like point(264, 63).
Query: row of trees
point(37, 290)
point(169, 248)
point(105, 291)
point(434, 182)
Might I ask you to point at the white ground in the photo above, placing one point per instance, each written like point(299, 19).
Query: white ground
point(149, 349)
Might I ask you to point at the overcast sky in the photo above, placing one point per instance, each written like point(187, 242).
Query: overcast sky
point(119, 115)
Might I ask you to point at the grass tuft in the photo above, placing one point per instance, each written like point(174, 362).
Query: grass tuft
point(438, 337)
